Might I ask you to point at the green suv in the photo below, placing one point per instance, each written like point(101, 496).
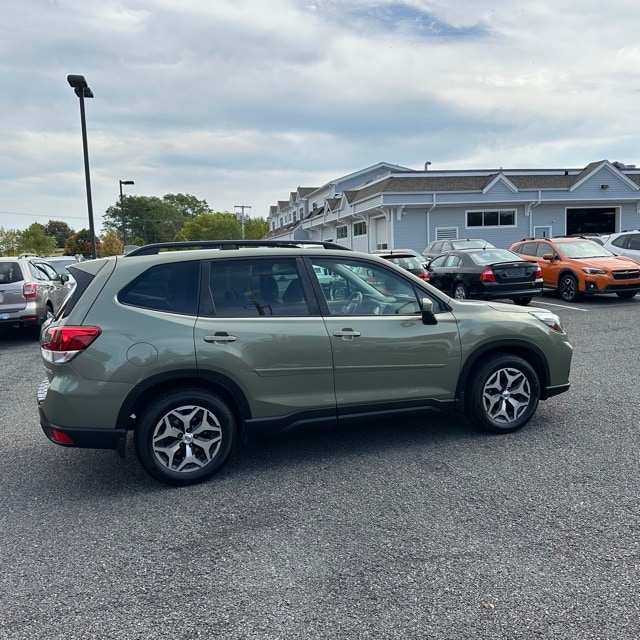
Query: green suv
point(194, 346)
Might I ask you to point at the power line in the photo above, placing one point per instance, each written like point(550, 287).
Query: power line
point(40, 215)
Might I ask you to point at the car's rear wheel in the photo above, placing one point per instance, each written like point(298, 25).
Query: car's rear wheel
point(626, 294)
point(504, 393)
point(460, 291)
point(185, 436)
point(568, 288)
point(522, 300)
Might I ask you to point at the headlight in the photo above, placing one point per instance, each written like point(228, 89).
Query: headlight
point(592, 271)
point(550, 319)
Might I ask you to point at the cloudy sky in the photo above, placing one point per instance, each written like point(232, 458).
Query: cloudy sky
point(239, 102)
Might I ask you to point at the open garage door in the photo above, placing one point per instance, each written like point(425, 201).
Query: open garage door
point(591, 220)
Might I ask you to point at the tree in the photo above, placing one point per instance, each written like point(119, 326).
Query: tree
point(148, 218)
point(80, 242)
point(110, 244)
point(34, 239)
point(212, 226)
point(255, 228)
point(189, 205)
point(59, 231)
point(9, 242)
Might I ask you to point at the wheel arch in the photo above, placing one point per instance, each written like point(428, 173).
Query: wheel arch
point(525, 350)
point(154, 386)
point(567, 271)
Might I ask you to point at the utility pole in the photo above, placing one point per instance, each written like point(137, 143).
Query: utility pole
point(242, 207)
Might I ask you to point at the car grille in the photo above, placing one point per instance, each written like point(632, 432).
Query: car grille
point(627, 274)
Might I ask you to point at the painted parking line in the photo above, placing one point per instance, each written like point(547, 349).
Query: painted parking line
point(564, 306)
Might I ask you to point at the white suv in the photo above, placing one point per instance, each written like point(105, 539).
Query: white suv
point(625, 243)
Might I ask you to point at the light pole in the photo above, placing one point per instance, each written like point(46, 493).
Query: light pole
point(82, 90)
point(242, 207)
point(124, 228)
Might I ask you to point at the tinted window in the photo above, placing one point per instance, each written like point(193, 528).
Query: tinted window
point(167, 287)
point(256, 287)
point(10, 272)
point(438, 262)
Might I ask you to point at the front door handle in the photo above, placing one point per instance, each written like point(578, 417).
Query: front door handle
point(346, 334)
point(220, 337)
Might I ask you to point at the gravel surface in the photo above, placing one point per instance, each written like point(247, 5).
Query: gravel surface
point(425, 529)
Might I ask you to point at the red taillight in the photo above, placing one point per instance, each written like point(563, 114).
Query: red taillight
point(538, 272)
point(61, 436)
point(487, 276)
point(423, 276)
point(29, 290)
point(61, 344)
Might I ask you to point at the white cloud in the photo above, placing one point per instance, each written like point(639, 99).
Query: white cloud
point(241, 101)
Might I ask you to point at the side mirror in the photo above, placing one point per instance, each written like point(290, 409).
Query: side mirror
point(428, 317)
point(64, 277)
point(549, 256)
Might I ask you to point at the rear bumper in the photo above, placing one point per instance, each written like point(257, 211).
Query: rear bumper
point(85, 437)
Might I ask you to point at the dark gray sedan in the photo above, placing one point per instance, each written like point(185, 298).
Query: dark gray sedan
point(486, 274)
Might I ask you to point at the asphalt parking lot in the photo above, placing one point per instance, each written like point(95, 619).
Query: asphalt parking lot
point(426, 529)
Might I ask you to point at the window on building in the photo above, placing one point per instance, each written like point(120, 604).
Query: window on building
point(341, 232)
point(493, 218)
point(360, 229)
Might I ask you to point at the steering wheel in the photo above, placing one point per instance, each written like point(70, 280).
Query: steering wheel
point(352, 303)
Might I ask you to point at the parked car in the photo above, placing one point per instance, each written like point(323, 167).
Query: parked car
point(194, 350)
point(441, 246)
point(410, 252)
point(486, 274)
point(60, 264)
point(625, 243)
point(410, 261)
point(30, 291)
point(577, 266)
point(600, 238)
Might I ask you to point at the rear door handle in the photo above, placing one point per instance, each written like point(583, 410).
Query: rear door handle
point(219, 338)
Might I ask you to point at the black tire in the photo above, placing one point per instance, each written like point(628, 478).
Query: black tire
point(522, 300)
point(503, 393)
point(568, 288)
point(460, 291)
point(209, 445)
point(626, 294)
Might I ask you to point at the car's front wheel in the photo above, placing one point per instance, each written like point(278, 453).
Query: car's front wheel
point(568, 288)
point(504, 393)
point(185, 436)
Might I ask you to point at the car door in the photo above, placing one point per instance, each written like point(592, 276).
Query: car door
point(384, 356)
point(272, 343)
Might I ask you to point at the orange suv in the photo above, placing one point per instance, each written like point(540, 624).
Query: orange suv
point(576, 266)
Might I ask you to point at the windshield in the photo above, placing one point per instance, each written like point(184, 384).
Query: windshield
point(583, 249)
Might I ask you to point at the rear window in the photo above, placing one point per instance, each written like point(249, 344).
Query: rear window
point(10, 272)
point(171, 287)
point(491, 256)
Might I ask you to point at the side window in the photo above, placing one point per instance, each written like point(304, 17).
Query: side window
point(252, 287)
point(49, 272)
point(438, 262)
point(543, 248)
point(171, 287)
point(453, 261)
point(526, 249)
point(365, 288)
point(446, 246)
point(634, 242)
point(619, 241)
